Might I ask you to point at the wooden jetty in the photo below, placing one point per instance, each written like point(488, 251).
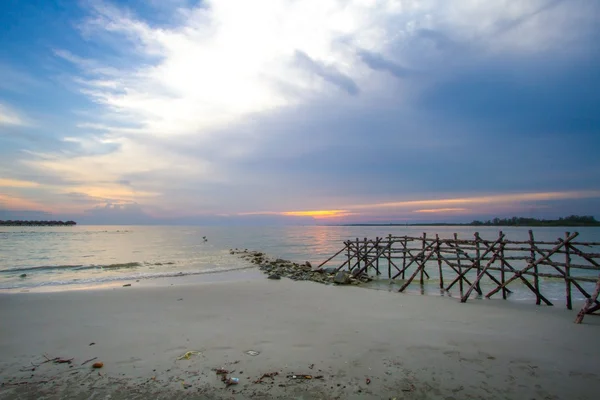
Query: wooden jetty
point(466, 264)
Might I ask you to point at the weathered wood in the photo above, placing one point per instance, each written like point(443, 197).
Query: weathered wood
point(536, 279)
point(587, 306)
point(530, 266)
point(459, 266)
point(422, 268)
point(439, 260)
point(389, 256)
point(332, 257)
point(567, 274)
point(480, 273)
point(478, 261)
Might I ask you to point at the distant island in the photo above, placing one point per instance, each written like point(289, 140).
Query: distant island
point(572, 220)
point(37, 223)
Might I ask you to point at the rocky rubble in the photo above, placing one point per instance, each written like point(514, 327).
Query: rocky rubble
point(277, 268)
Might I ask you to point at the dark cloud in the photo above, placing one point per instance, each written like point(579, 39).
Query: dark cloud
point(378, 62)
point(327, 72)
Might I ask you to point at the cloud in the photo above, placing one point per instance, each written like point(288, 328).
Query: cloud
point(10, 117)
point(233, 107)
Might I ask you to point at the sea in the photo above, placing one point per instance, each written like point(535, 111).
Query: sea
point(64, 258)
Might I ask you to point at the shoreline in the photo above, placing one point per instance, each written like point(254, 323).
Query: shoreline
point(405, 346)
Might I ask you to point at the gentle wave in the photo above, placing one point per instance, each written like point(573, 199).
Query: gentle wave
point(107, 279)
point(81, 267)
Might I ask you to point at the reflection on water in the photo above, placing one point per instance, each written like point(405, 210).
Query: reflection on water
point(151, 251)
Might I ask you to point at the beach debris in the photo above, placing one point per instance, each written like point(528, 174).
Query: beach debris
point(93, 343)
point(87, 361)
point(126, 285)
point(188, 354)
point(232, 381)
point(271, 375)
point(311, 366)
point(368, 381)
point(275, 276)
point(221, 371)
point(252, 352)
point(98, 365)
point(22, 275)
point(63, 361)
point(300, 377)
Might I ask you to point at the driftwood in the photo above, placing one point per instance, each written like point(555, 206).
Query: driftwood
point(470, 263)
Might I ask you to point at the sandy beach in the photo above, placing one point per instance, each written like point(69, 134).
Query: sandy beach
point(352, 342)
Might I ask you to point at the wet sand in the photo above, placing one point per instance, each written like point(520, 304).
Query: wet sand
point(360, 343)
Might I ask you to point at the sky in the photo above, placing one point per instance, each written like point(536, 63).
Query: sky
point(298, 112)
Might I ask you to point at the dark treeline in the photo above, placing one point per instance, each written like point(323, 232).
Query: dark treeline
point(37, 223)
point(571, 220)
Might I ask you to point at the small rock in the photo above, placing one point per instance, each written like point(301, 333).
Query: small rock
point(98, 365)
point(329, 270)
point(274, 276)
point(22, 275)
point(342, 278)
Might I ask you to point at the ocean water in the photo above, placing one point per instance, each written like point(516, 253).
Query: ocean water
point(61, 257)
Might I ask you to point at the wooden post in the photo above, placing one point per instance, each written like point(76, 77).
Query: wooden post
point(588, 303)
point(477, 260)
point(536, 278)
point(483, 271)
point(348, 253)
point(377, 260)
point(366, 256)
point(404, 256)
point(390, 256)
point(568, 273)
point(357, 254)
point(502, 266)
point(460, 283)
point(439, 260)
point(423, 248)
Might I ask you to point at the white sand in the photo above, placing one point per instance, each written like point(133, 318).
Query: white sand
point(409, 346)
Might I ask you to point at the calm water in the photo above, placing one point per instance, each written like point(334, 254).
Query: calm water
point(64, 256)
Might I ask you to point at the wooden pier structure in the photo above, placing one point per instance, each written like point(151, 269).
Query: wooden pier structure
point(465, 264)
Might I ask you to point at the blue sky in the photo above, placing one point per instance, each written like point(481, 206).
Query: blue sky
point(295, 112)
